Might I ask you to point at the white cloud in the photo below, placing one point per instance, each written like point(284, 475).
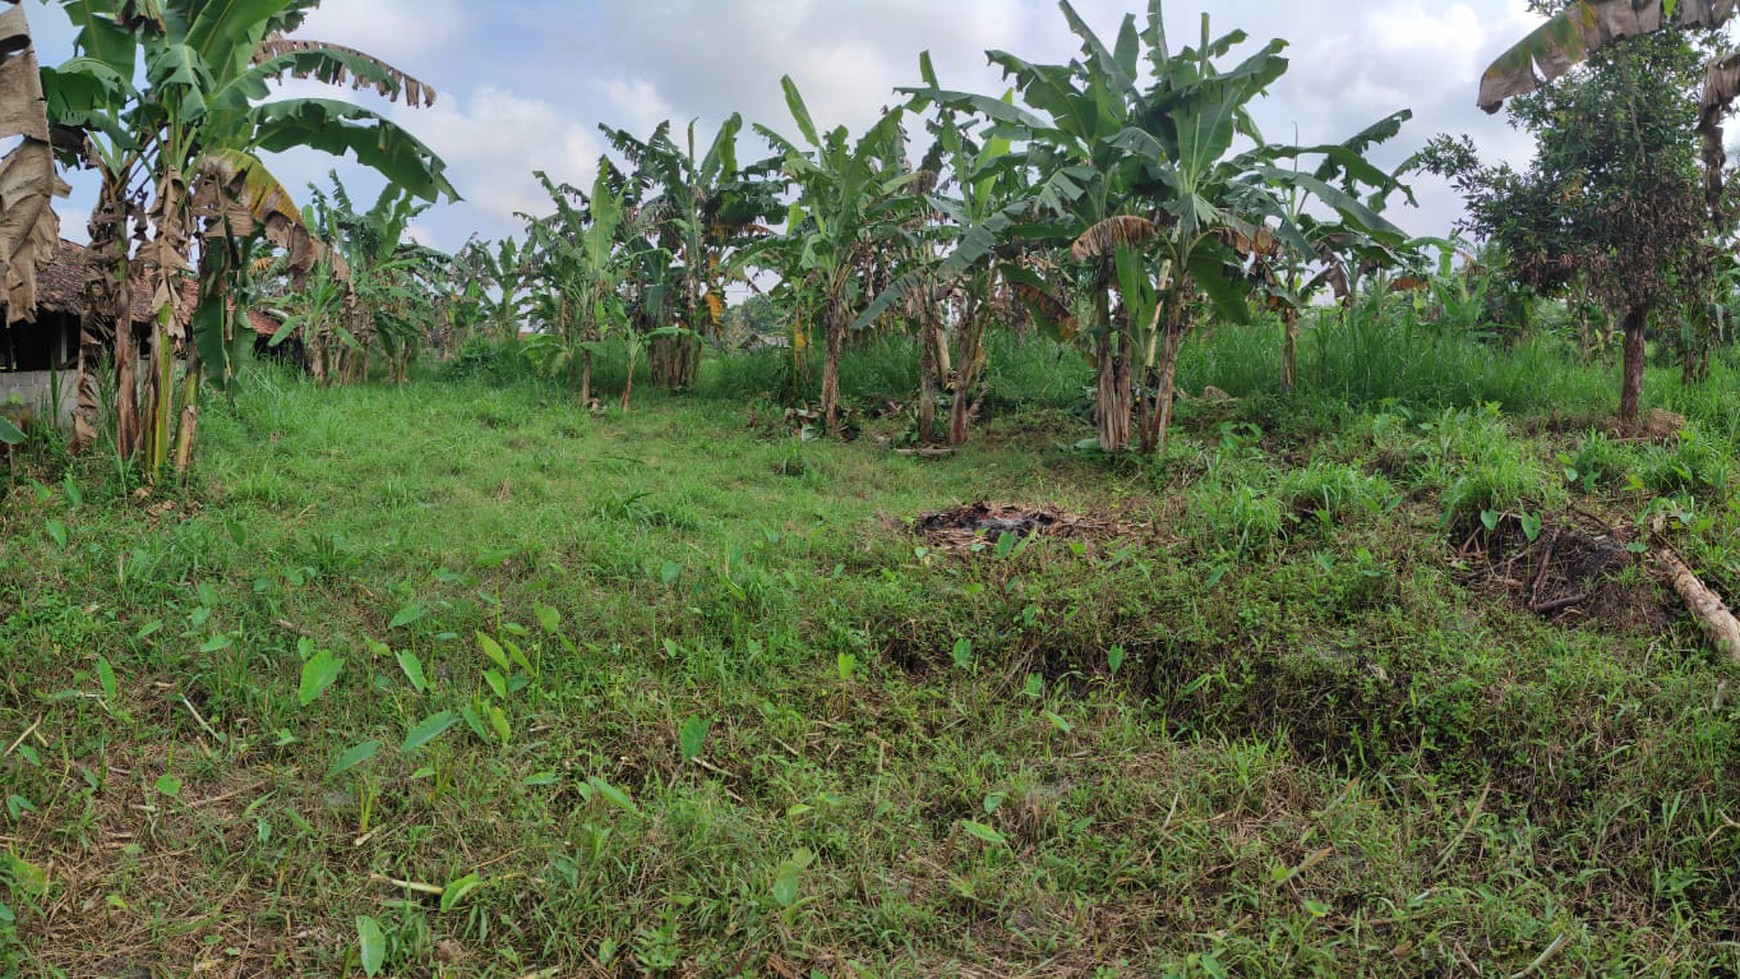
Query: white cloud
point(492, 141)
point(418, 36)
point(638, 106)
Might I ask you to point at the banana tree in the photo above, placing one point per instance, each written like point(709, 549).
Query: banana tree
point(1069, 121)
point(573, 255)
point(202, 119)
point(848, 201)
point(977, 193)
point(493, 281)
point(704, 206)
point(1217, 210)
point(29, 230)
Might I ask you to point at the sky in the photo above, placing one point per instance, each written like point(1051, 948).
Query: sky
point(524, 84)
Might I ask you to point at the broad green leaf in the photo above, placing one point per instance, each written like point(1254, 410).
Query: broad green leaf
point(496, 682)
point(11, 434)
point(56, 531)
point(352, 757)
point(786, 875)
point(474, 720)
point(429, 729)
point(169, 785)
point(406, 616)
point(458, 890)
point(693, 735)
point(413, 668)
point(317, 675)
point(548, 618)
point(106, 677)
point(493, 650)
point(800, 113)
point(371, 944)
point(983, 832)
point(498, 720)
point(613, 795)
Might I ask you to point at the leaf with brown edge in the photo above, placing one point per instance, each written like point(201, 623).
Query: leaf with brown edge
point(1049, 311)
point(1721, 87)
point(29, 230)
point(236, 192)
point(1109, 235)
point(1257, 240)
point(1578, 31)
point(336, 64)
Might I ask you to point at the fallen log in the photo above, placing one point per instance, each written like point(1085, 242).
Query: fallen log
point(1720, 626)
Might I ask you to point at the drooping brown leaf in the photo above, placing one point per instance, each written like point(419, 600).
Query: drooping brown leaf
point(29, 230)
point(1721, 87)
point(1257, 241)
point(397, 85)
point(1049, 308)
point(1105, 238)
point(1579, 30)
point(237, 195)
point(165, 256)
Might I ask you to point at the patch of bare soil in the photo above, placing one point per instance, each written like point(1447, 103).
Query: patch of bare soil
point(960, 527)
point(1655, 426)
point(1572, 572)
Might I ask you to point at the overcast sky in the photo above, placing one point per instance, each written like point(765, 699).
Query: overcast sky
point(524, 84)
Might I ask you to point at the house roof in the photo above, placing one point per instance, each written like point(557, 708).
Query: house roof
point(60, 288)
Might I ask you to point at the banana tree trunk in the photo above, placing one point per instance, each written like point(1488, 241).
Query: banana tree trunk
point(98, 324)
point(1112, 407)
point(628, 383)
point(1289, 349)
point(967, 376)
point(927, 375)
point(190, 385)
point(1163, 383)
point(159, 394)
point(834, 346)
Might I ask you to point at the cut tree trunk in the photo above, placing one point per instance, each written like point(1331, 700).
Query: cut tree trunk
point(1631, 388)
point(1705, 605)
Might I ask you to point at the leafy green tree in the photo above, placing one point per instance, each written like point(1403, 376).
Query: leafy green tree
point(1613, 201)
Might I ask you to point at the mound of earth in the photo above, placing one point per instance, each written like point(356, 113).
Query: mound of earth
point(1571, 572)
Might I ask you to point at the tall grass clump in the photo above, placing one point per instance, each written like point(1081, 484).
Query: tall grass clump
point(1384, 351)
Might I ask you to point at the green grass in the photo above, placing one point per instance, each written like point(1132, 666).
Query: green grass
point(744, 722)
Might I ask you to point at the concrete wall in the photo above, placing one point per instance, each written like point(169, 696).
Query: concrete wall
point(28, 394)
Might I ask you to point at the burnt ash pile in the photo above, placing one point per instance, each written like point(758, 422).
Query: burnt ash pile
point(960, 527)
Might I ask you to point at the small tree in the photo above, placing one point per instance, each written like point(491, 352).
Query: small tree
point(1613, 200)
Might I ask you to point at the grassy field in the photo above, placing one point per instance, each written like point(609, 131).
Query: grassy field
point(459, 679)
